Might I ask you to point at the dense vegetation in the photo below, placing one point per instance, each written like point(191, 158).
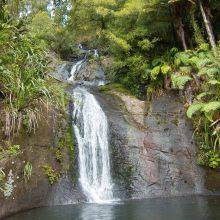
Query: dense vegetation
point(25, 88)
point(155, 45)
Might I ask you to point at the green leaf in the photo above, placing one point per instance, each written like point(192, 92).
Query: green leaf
point(154, 72)
point(165, 69)
point(211, 106)
point(186, 70)
point(214, 82)
point(193, 109)
point(210, 72)
point(179, 82)
point(204, 94)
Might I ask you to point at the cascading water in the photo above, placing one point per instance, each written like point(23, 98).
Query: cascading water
point(91, 130)
point(76, 67)
point(96, 53)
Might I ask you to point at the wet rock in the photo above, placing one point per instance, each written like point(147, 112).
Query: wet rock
point(152, 147)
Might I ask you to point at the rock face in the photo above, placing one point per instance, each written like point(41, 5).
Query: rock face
point(39, 149)
point(152, 147)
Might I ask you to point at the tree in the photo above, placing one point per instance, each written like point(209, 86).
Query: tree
point(205, 11)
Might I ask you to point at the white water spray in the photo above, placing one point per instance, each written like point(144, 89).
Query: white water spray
point(91, 130)
point(96, 53)
point(76, 67)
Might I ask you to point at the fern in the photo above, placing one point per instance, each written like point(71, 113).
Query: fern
point(179, 82)
point(185, 70)
point(204, 94)
point(154, 72)
point(202, 63)
point(203, 107)
point(194, 108)
point(194, 61)
point(182, 58)
point(211, 106)
point(165, 69)
point(214, 82)
point(210, 72)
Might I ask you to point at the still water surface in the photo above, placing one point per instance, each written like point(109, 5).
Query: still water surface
point(182, 208)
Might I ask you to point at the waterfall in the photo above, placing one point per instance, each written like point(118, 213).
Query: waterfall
point(96, 53)
point(91, 131)
point(76, 67)
point(80, 46)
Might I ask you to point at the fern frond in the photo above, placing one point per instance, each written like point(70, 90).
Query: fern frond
point(185, 70)
point(179, 82)
point(211, 106)
point(210, 72)
point(165, 69)
point(204, 94)
point(202, 63)
point(194, 108)
point(182, 58)
point(214, 82)
point(154, 72)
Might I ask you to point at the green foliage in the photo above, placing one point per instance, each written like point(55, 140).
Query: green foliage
point(59, 155)
point(142, 37)
point(52, 175)
point(2, 177)
point(179, 82)
point(24, 84)
point(194, 108)
point(42, 26)
point(214, 159)
point(28, 170)
point(13, 150)
point(9, 151)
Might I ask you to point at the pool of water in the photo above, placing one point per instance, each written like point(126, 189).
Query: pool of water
point(181, 208)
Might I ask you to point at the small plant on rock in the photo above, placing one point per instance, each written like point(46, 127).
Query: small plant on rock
point(28, 170)
point(13, 150)
point(52, 175)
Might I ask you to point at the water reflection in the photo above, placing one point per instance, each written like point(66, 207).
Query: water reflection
point(183, 208)
point(92, 212)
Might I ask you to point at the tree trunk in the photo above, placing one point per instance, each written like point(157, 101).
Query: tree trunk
point(179, 27)
point(181, 33)
point(208, 25)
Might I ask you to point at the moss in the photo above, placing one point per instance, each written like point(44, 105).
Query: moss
point(115, 87)
point(70, 140)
